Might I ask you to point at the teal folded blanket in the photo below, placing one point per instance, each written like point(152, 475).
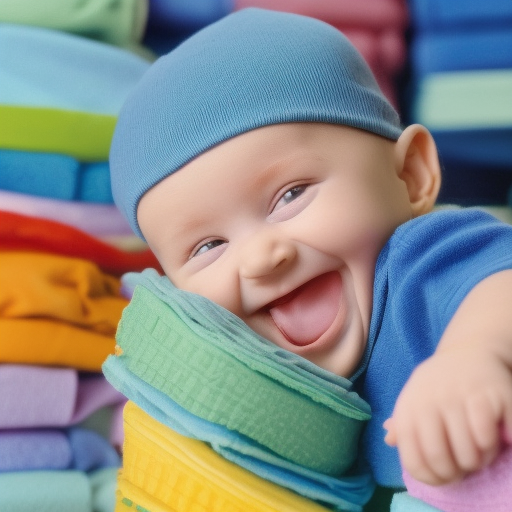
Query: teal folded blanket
point(210, 363)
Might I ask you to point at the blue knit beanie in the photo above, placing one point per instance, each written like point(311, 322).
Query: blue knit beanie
point(250, 69)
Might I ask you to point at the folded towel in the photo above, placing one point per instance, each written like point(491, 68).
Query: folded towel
point(55, 176)
point(33, 449)
point(58, 491)
point(220, 370)
point(53, 343)
point(348, 493)
point(184, 15)
point(435, 15)
point(82, 135)
point(465, 100)
point(38, 396)
point(52, 69)
point(485, 148)
point(163, 470)
point(487, 490)
point(374, 14)
point(452, 50)
point(72, 290)
point(27, 233)
point(120, 23)
point(55, 491)
point(404, 502)
point(103, 487)
point(95, 219)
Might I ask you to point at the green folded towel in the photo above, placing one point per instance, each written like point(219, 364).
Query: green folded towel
point(212, 364)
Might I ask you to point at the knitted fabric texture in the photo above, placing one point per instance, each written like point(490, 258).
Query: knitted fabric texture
point(252, 68)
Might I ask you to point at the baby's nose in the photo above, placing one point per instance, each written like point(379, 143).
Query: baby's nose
point(265, 254)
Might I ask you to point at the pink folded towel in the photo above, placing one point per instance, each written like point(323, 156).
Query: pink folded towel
point(488, 490)
point(96, 219)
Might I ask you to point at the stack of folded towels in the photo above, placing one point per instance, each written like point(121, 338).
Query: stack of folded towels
point(461, 59)
point(220, 419)
point(60, 298)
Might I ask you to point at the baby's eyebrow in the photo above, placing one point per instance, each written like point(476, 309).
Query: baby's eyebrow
point(190, 226)
point(265, 176)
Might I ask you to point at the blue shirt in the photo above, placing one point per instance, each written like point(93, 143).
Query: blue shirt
point(422, 275)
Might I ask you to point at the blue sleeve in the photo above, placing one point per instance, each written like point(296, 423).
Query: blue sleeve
point(423, 274)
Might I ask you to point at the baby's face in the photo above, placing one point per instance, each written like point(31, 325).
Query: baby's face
point(283, 226)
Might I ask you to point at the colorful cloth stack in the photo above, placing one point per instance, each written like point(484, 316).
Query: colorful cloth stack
point(57, 321)
point(219, 418)
point(461, 59)
point(60, 295)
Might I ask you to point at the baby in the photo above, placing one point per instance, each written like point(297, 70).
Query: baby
point(268, 173)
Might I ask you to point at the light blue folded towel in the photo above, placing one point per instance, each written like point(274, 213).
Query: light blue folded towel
point(47, 68)
point(404, 502)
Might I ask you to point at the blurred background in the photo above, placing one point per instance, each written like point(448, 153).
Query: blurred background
point(66, 67)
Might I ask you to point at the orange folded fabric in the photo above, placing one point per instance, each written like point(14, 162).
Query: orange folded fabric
point(28, 233)
point(54, 287)
point(52, 343)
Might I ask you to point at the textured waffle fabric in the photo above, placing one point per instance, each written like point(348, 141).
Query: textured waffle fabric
point(164, 471)
point(218, 380)
point(348, 493)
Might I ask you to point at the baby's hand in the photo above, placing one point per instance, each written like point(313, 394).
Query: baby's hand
point(452, 415)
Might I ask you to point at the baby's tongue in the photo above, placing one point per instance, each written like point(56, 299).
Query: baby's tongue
point(306, 313)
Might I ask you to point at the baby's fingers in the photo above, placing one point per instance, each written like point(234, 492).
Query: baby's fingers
point(483, 420)
point(467, 453)
point(425, 452)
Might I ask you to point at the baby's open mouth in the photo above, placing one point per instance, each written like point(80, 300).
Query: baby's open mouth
point(307, 312)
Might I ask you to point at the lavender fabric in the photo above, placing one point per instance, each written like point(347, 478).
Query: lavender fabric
point(34, 396)
point(93, 218)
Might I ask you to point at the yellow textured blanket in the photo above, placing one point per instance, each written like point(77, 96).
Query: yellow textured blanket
point(166, 472)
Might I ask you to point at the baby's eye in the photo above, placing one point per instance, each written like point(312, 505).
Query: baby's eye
point(290, 195)
point(208, 246)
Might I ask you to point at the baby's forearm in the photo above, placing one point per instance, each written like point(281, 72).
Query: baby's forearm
point(484, 319)
point(455, 406)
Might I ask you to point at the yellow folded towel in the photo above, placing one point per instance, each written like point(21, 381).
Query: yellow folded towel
point(166, 472)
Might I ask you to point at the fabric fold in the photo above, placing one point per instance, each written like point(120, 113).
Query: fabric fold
point(465, 100)
point(83, 135)
point(177, 472)
point(47, 68)
point(58, 491)
point(93, 218)
point(28, 233)
point(39, 396)
point(55, 176)
point(52, 449)
point(52, 343)
point(237, 380)
point(120, 23)
point(210, 357)
point(70, 290)
point(348, 493)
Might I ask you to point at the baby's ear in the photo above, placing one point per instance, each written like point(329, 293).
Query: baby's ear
point(418, 166)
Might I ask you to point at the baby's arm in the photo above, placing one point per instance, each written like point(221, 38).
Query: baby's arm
point(456, 408)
